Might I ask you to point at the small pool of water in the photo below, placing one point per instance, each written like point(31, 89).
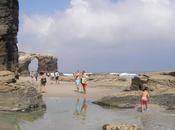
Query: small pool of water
point(81, 114)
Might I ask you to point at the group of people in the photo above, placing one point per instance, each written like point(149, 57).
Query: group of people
point(54, 76)
point(43, 78)
point(34, 75)
point(80, 79)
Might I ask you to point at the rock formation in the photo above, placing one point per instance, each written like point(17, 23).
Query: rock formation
point(18, 96)
point(154, 81)
point(121, 102)
point(46, 63)
point(8, 34)
point(120, 126)
point(14, 95)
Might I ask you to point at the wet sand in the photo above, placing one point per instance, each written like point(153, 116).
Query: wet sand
point(68, 89)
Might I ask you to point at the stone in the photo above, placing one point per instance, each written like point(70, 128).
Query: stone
point(6, 77)
point(46, 63)
point(121, 102)
point(8, 34)
point(120, 126)
point(21, 96)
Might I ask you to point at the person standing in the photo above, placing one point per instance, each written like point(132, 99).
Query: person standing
point(77, 79)
point(36, 76)
point(43, 82)
point(57, 77)
point(84, 81)
point(17, 72)
point(144, 99)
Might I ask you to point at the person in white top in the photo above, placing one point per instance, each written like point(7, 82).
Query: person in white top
point(57, 77)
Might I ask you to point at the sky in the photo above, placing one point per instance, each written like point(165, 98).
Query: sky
point(100, 35)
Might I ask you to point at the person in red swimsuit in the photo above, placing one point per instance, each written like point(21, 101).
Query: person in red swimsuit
point(144, 99)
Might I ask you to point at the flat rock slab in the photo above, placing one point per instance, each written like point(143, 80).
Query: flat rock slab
point(123, 126)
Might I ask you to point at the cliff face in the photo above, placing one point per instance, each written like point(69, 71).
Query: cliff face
point(8, 34)
point(14, 95)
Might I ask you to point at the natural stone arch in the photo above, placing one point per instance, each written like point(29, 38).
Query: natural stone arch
point(33, 66)
point(46, 63)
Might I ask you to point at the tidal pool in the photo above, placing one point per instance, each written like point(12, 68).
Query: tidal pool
point(80, 114)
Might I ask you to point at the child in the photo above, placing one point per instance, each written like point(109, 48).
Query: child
point(144, 99)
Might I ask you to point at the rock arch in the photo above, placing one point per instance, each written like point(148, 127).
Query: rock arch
point(46, 63)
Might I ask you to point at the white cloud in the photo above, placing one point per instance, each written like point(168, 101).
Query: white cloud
point(91, 28)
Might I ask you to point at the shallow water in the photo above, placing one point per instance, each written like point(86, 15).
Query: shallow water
point(81, 114)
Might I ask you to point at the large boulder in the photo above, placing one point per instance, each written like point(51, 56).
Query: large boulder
point(8, 34)
point(138, 81)
point(18, 96)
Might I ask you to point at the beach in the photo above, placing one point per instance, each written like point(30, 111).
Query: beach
point(68, 89)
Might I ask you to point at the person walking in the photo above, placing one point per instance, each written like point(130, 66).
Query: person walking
point(77, 79)
point(144, 99)
point(84, 81)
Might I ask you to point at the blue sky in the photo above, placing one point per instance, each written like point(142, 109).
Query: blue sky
point(42, 7)
point(101, 35)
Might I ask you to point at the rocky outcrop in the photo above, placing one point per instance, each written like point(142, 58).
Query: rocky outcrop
point(14, 96)
point(8, 34)
point(46, 63)
point(18, 96)
point(120, 126)
point(128, 100)
point(121, 102)
point(154, 81)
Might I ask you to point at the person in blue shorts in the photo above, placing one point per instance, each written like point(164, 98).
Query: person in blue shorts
point(77, 80)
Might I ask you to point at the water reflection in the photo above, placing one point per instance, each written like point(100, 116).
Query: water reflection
point(80, 108)
point(10, 120)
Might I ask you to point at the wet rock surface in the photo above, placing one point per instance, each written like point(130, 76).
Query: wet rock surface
point(19, 96)
point(118, 126)
point(125, 102)
point(162, 92)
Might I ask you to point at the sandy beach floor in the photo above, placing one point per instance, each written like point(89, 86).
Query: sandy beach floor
point(68, 89)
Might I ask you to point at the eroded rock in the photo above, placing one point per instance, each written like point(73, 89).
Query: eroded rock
point(8, 34)
point(153, 81)
point(123, 102)
point(20, 96)
point(120, 126)
point(46, 63)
